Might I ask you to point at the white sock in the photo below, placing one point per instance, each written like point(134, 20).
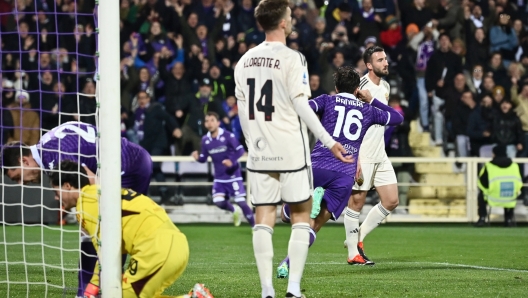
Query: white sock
point(263, 249)
point(298, 251)
point(375, 216)
point(352, 231)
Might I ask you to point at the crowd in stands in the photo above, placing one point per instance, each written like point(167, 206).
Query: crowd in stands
point(457, 66)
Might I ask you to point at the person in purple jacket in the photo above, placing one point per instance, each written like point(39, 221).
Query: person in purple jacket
point(346, 116)
point(225, 150)
point(75, 141)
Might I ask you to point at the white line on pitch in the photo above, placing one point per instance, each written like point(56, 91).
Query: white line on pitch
point(395, 263)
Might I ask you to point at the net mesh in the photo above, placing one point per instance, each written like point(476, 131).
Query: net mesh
point(48, 62)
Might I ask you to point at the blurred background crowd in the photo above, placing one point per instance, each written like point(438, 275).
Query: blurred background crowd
point(459, 67)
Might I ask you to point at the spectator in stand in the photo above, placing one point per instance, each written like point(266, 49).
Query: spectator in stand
point(151, 126)
point(328, 69)
point(391, 36)
point(370, 22)
point(498, 95)
point(465, 105)
point(520, 101)
point(474, 79)
point(453, 94)
point(315, 86)
point(417, 13)
point(507, 129)
point(488, 84)
point(439, 76)
point(424, 43)
point(26, 123)
point(503, 39)
point(231, 110)
point(191, 111)
point(497, 70)
point(477, 45)
point(479, 125)
point(449, 18)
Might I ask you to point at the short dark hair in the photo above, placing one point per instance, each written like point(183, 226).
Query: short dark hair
point(213, 114)
point(12, 153)
point(346, 79)
point(367, 54)
point(269, 13)
point(69, 172)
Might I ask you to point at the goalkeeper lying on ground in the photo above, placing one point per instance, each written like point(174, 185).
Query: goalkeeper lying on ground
point(159, 251)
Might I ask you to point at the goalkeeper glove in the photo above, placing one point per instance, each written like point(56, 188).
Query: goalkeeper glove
point(91, 291)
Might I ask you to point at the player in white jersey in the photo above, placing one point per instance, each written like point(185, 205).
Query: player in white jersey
point(374, 165)
point(272, 91)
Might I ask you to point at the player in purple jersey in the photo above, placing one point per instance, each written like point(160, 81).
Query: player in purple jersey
point(75, 141)
point(225, 150)
point(347, 118)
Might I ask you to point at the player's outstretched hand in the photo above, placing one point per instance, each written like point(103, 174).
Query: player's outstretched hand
point(340, 152)
point(364, 95)
point(195, 155)
point(227, 163)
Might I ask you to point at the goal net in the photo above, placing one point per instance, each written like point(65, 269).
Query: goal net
point(49, 77)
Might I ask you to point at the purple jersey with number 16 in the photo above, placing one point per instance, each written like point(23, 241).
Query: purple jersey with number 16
point(76, 141)
point(347, 119)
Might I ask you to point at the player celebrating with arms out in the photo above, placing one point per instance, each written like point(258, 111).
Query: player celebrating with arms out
point(272, 91)
point(75, 141)
point(348, 119)
point(159, 251)
point(374, 164)
point(225, 150)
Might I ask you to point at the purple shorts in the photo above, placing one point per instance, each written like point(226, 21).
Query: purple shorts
point(234, 189)
point(138, 178)
point(338, 188)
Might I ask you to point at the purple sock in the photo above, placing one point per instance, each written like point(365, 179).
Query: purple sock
point(248, 214)
point(312, 240)
point(225, 205)
point(87, 266)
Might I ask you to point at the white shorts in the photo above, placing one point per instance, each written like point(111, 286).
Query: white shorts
point(275, 188)
point(376, 174)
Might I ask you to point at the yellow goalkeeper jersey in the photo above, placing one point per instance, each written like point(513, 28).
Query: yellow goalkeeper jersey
point(141, 217)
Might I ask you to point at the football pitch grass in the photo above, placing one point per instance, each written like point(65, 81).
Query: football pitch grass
point(419, 260)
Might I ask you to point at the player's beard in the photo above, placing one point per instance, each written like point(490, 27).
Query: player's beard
point(381, 72)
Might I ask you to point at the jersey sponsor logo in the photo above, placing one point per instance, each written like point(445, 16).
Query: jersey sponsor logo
point(260, 144)
point(267, 158)
point(218, 150)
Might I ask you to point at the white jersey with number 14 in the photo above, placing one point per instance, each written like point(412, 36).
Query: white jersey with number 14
point(268, 77)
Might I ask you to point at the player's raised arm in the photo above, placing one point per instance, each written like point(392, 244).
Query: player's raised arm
point(383, 114)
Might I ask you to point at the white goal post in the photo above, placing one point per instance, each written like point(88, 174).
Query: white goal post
point(109, 149)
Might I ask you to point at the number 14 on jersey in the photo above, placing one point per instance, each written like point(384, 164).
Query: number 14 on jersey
point(265, 102)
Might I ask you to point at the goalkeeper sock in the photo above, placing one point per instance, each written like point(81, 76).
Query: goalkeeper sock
point(263, 249)
point(87, 266)
point(223, 204)
point(298, 251)
point(248, 214)
point(352, 231)
point(375, 216)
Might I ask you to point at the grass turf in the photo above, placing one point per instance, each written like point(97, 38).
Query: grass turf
point(411, 261)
